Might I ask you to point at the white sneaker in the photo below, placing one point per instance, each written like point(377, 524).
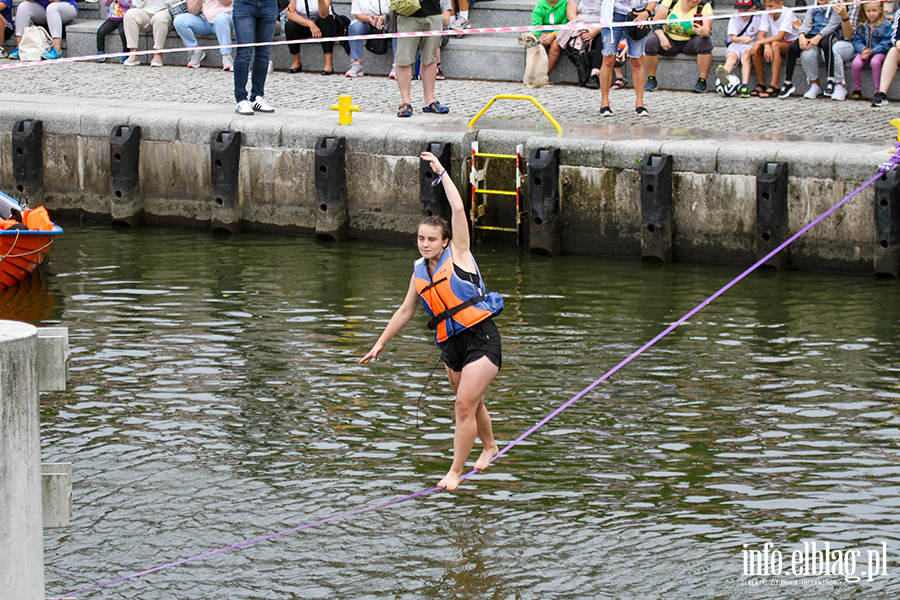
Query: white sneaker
point(393, 73)
point(261, 105)
point(356, 70)
point(840, 92)
point(3, 53)
point(196, 58)
point(244, 108)
point(813, 92)
point(453, 22)
point(271, 67)
point(227, 62)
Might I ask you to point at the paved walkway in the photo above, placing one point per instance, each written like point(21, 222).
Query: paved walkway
point(678, 114)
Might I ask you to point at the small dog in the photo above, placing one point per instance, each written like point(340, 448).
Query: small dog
point(535, 61)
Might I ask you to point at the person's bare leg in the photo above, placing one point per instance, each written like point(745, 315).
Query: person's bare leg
point(404, 77)
point(485, 431)
point(329, 61)
point(704, 63)
point(650, 63)
point(552, 56)
point(606, 78)
point(777, 59)
point(637, 73)
point(473, 381)
point(428, 73)
point(486, 435)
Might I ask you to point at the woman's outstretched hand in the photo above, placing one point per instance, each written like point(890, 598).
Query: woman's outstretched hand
point(433, 160)
point(372, 354)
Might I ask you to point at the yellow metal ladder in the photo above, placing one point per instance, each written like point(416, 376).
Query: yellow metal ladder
point(477, 181)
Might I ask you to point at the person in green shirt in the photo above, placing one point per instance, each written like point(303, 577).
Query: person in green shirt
point(550, 12)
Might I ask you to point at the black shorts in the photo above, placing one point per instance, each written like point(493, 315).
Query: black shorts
point(467, 346)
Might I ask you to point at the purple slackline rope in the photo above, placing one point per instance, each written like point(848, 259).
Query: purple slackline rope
point(894, 160)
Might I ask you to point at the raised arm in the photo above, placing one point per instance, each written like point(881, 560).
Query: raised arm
point(459, 224)
point(402, 316)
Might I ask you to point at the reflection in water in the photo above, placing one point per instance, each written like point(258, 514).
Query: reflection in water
point(215, 397)
point(29, 300)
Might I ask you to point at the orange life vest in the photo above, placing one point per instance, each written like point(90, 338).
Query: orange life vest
point(452, 303)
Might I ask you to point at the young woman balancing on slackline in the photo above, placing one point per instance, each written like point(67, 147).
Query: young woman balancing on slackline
point(448, 284)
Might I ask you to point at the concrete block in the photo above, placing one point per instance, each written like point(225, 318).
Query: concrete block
point(259, 131)
point(743, 158)
point(859, 162)
point(198, 128)
point(99, 122)
point(52, 358)
point(809, 160)
point(697, 156)
point(626, 154)
point(574, 153)
point(302, 132)
point(159, 125)
point(56, 487)
point(63, 119)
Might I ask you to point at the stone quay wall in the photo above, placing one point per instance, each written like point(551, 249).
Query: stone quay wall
point(713, 189)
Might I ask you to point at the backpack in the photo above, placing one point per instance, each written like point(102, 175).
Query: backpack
point(35, 42)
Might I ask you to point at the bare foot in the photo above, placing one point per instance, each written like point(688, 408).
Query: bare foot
point(484, 461)
point(450, 481)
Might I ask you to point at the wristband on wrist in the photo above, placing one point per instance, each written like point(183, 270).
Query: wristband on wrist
point(437, 180)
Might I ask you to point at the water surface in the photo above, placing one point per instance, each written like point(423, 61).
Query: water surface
point(215, 397)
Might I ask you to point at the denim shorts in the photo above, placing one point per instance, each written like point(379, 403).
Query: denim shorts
point(612, 35)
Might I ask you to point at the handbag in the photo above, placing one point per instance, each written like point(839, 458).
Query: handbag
point(583, 58)
point(405, 7)
point(637, 32)
point(179, 8)
point(378, 45)
point(35, 42)
point(390, 22)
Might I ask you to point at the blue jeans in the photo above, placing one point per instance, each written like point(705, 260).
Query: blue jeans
point(356, 46)
point(189, 26)
point(254, 21)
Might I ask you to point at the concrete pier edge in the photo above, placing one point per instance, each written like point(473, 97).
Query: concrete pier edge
point(21, 513)
point(713, 188)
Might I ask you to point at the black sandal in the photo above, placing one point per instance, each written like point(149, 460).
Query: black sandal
point(760, 88)
point(769, 92)
point(620, 83)
point(324, 72)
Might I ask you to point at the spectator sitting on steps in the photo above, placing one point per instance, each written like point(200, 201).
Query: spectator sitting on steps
point(304, 21)
point(369, 17)
point(203, 18)
point(681, 34)
point(115, 14)
point(142, 12)
point(52, 13)
point(7, 28)
point(550, 12)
